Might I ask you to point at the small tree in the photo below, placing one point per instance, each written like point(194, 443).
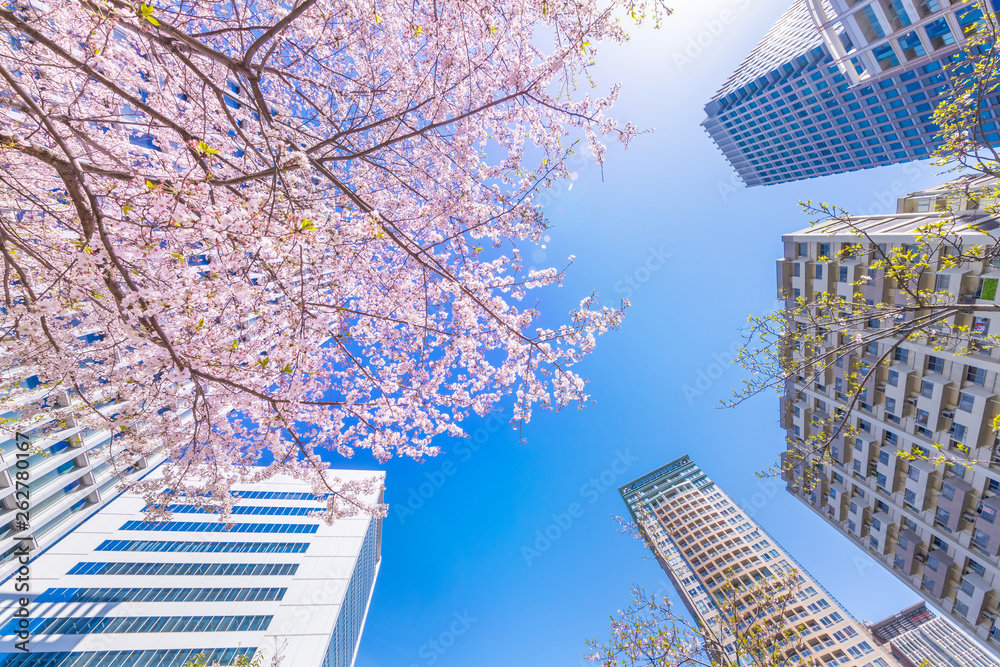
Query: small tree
point(748, 627)
point(745, 624)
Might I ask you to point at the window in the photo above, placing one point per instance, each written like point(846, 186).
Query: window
point(922, 416)
point(911, 47)
point(901, 354)
point(948, 491)
point(803, 249)
point(903, 543)
point(935, 365)
point(981, 539)
point(270, 511)
point(160, 594)
point(942, 282)
point(824, 250)
point(939, 33)
point(890, 404)
point(212, 547)
point(988, 513)
point(926, 388)
point(965, 402)
point(893, 379)
point(215, 527)
point(957, 432)
point(976, 376)
point(819, 270)
point(184, 569)
point(942, 517)
point(135, 658)
point(842, 277)
point(127, 624)
point(796, 269)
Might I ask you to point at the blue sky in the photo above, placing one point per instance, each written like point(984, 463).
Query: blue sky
point(465, 579)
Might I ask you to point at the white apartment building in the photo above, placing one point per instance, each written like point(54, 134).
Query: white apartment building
point(935, 527)
point(916, 636)
point(119, 591)
point(704, 540)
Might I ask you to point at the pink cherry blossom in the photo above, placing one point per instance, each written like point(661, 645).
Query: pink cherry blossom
point(249, 233)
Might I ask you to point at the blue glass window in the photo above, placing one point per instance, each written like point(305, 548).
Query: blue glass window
point(210, 547)
point(186, 569)
point(155, 658)
point(130, 624)
point(161, 595)
point(216, 527)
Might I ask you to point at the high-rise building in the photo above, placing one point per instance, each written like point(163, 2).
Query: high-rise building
point(119, 591)
point(839, 86)
point(704, 540)
point(916, 636)
point(53, 473)
point(935, 526)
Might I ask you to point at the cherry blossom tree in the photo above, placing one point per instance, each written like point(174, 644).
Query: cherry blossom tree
point(240, 234)
point(748, 628)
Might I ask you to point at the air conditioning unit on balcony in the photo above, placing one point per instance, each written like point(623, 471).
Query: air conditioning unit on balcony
point(880, 387)
point(911, 400)
point(920, 558)
point(948, 414)
point(969, 516)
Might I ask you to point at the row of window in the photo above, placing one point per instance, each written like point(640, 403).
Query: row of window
point(161, 595)
point(286, 511)
point(157, 658)
point(186, 569)
point(205, 547)
point(276, 495)
point(131, 624)
point(215, 527)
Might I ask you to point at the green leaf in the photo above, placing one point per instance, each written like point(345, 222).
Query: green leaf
point(989, 289)
point(146, 11)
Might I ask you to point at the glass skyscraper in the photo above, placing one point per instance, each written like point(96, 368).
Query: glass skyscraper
point(840, 86)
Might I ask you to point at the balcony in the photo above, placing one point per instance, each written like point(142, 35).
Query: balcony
point(987, 526)
point(937, 573)
point(906, 552)
point(970, 598)
point(951, 502)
